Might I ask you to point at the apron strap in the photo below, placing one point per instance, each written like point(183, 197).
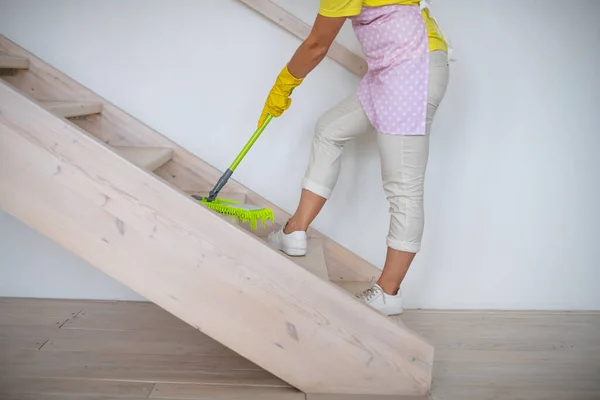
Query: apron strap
point(426, 4)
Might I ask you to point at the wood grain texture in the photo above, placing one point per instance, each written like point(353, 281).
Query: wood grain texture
point(208, 273)
point(150, 158)
point(135, 342)
point(11, 62)
point(20, 343)
point(186, 171)
point(353, 287)
point(206, 369)
point(119, 318)
point(221, 392)
point(512, 355)
point(346, 58)
point(362, 397)
point(25, 396)
point(72, 109)
point(48, 308)
point(480, 355)
point(347, 266)
point(314, 260)
point(31, 320)
point(15, 387)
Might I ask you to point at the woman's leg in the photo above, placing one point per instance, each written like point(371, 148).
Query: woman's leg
point(333, 130)
point(403, 162)
point(309, 207)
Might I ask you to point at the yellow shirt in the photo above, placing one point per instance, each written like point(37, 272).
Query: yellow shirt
point(350, 8)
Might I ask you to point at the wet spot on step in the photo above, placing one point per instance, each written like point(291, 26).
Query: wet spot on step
point(105, 240)
point(279, 345)
point(291, 331)
point(121, 226)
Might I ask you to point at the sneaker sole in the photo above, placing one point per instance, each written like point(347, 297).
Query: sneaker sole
point(391, 313)
point(292, 252)
point(295, 252)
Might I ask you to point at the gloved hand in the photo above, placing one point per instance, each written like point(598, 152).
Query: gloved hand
point(279, 97)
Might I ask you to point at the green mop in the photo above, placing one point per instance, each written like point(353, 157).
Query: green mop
point(244, 212)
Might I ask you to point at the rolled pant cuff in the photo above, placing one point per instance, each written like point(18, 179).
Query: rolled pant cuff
point(408, 247)
point(317, 189)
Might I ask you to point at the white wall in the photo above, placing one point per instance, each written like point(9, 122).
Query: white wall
point(513, 184)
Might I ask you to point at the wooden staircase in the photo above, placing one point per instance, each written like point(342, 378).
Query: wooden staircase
point(118, 194)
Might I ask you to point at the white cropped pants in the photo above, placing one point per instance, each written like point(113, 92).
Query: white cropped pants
point(403, 158)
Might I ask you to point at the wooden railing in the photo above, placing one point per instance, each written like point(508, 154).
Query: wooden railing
point(300, 29)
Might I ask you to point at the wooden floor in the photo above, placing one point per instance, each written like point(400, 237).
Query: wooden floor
point(53, 349)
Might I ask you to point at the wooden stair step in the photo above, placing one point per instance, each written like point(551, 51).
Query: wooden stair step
point(353, 287)
point(364, 397)
point(263, 232)
point(12, 62)
point(150, 158)
point(314, 260)
point(140, 231)
point(72, 109)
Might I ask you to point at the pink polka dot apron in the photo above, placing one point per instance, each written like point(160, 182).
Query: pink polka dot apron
point(394, 91)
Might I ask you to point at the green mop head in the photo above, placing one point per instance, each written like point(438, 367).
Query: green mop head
point(244, 212)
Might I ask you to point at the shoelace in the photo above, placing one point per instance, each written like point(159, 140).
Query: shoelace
point(369, 294)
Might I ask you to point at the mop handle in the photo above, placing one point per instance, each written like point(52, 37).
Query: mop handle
point(250, 143)
point(215, 192)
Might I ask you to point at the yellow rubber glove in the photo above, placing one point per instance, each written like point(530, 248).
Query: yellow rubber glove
point(279, 97)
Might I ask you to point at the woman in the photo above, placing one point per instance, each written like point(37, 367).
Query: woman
point(407, 78)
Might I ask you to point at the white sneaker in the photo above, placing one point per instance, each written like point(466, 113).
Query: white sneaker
point(293, 244)
point(381, 301)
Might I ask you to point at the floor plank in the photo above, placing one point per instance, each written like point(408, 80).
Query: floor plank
point(479, 355)
point(507, 331)
point(182, 341)
point(125, 316)
point(48, 308)
point(31, 321)
point(362, 397)
point(512, 355)
point(35, 396)
point(81, 387)
point(499, 393)
point(174, 342)
point(219, 392)
point(21, 343)
point(137, 367)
